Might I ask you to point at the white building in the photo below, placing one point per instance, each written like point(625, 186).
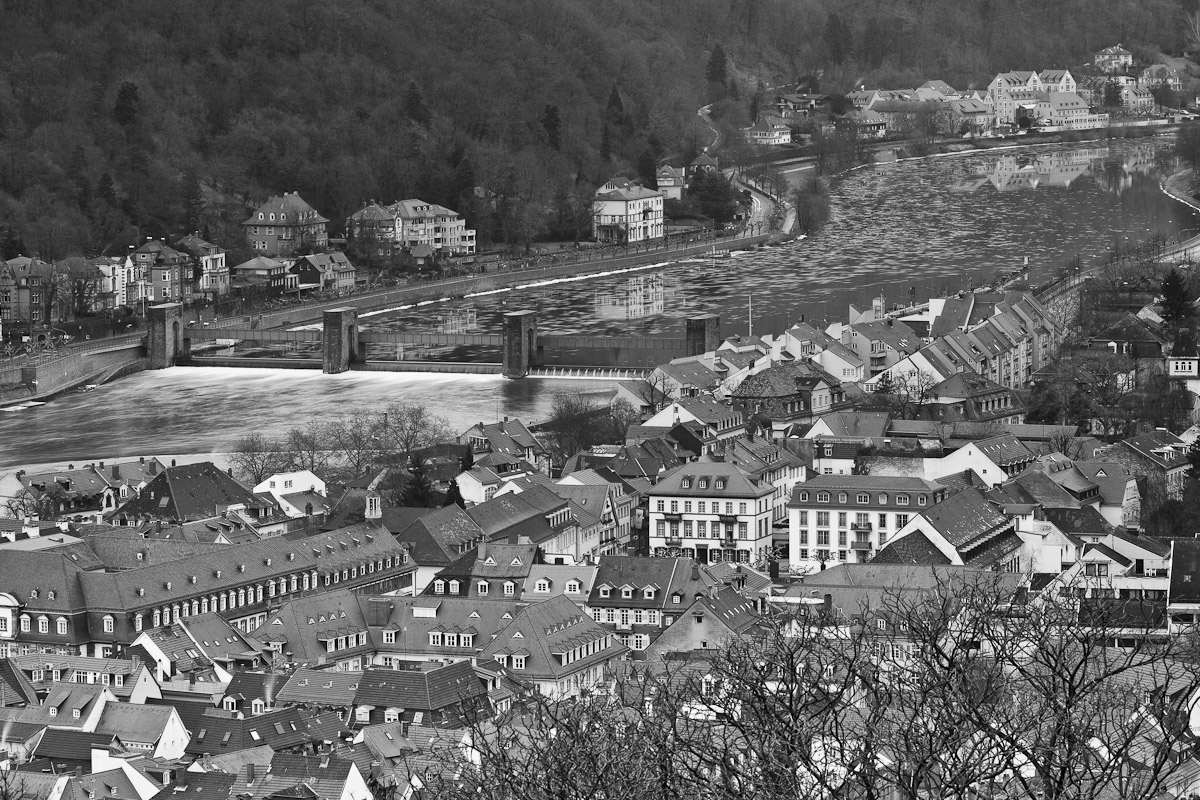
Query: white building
point(710, 511)
point(214, 272)
point(408, 223)
point(625, 213)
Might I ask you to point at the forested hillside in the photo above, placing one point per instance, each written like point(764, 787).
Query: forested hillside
point(132, 118)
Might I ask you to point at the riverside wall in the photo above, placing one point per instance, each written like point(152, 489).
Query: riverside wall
point(51, 374)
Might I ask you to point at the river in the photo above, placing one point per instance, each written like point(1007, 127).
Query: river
point(928, 226)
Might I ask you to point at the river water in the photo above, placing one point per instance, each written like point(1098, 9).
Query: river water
point(929, 226)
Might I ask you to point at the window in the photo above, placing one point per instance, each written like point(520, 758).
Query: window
point(741, 508)
point(542, 585)
point(901, 521)
point(573, 587)
point(841, 519)
point(822, 519)
point(483, 588)
point(61, 625)
point(674, 506)
point(450, 640)
point(439, 587)
point(901, 499)
point(648, 593)
point(922, 499)
point(118, 680)
point(863, 498)
point(435, 638)
point(510, 588)
point(662, 505)
point(43, 625)
point(518, 662)
point(389, 637)
point(822, 497)
point(454, 587)
point(605, 591)
point(626, 592)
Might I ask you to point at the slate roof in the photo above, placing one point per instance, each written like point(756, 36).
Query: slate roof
point(551, 627)
point(1085, 521)
point(1005, 450)
point(518, 515)
point(784, 380)
point(250, 686)
point(292, 204)
point(280, 729)
point(1158, 547)
point(71, 745)
point(913, 548)
point(319, 687)
point(737, 482)
point(1157, 447)
point(134, 723)
point(668, 576)
point(299, 777)
point(123, 548)
point(236, 565)
point(1107, 552)
point(1185, 571)
point(431, 688)
point(857, 424)
point(188, 492)
point(15, 688)
point(691, 374)
point(964, 517)
point(199, 786)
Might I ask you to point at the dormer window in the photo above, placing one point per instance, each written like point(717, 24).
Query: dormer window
point(703, 483)
point(454, 587)
point(719, 484)
point(483, 588)
point(542, 585)
point(604, 592)
point(648, 593)
point(686, 483)
point(510, 588)
point(439, 587)
point(573, 587)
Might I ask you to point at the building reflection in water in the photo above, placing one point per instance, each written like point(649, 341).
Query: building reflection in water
point(459, 320)
point(1113, 173)
point(636, 297)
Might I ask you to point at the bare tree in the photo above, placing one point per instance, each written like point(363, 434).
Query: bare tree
point(358, 440)
point(407, 427)
point(257, 457)
point(310, 448)
point(25, 504)
point(1191, 30)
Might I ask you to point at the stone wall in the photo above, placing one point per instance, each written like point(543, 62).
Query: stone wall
point(52, 375)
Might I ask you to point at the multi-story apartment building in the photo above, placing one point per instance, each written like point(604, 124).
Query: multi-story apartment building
point(26, 299)
point(625, 213)
point(639, 598)
point(214, 272)
point(408, 223)
point(711, 511)
point(165, 270)
point(836, 519)
point(284, 225)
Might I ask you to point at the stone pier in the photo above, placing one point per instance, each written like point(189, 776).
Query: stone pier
point(520, 343)
point(703, 334)
point(339, 340)
point(165, 341)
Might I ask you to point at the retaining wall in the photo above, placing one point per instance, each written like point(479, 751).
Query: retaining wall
point(53, 374)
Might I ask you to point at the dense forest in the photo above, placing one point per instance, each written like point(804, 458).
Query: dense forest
point(131, 118)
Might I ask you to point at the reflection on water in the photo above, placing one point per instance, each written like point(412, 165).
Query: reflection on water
point(894, 226)
point(636, 297)
point(1112, 168)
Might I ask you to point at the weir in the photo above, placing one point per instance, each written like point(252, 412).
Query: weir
point(343, 342)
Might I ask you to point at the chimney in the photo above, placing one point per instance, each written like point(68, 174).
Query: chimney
point(695, 571)
point(101, 465)
point(828, 603)
point(172, 463)
point(374, 509)
point(116, 472)
point(249, 774)
point(141, 459)
point(483, 548)
point(192, 678)
point(153, 467)
point(78, 772)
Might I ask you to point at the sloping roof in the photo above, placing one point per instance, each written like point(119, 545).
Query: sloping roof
point(280, 729)
point(784, 380)
point(188, 491)
point(548, 629)
point(61, 744)
point(737, 483)
point(319, 687)
point(1185, 571)
point(914, 548)
point(134, 723)
point(1107, 552)
point(1079, 521)
point(433, 687)
point(964, 517)
point(1005, 450)
point(857, 424)
point(1159, 447)
point(290, 203)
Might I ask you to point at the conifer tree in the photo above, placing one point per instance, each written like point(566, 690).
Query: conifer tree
point(716, 70)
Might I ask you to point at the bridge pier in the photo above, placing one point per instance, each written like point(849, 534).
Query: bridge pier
point(520, 343)
point(339, 341)
point(703, 334)
point(165, 341)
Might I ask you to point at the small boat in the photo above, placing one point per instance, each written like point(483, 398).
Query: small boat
point(87, 387)
point(32, 403)
point(17, 407)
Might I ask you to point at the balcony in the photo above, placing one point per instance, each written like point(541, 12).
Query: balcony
point(861, 544)
point(674, 541)
point(728, 543)
point(861, 526)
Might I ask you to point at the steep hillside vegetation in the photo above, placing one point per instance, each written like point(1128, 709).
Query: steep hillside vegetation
point(134, 118)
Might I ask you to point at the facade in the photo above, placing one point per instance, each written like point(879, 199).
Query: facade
point(167, 271)
point(711, 511)
point(266, 273)
point(26, 305)
point(768, 132)
point(285, 225)
point(214, 272)
point(328, 272)
point(1160, 75)
point(407, 224)
point(671, 181)
point(638, 598)
point(1114, 58)
point(625, 213)
point(843, 519)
